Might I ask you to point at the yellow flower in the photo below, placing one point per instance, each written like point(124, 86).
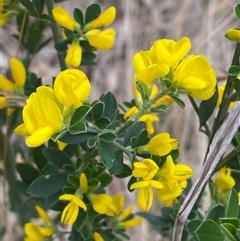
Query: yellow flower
point(74, 55)
point(37, 233)
point(41, 116)
point(169, 181)
point(61, 145)
point(83, 182)
point(224, 181)
point(168, 196)
point(131, 112)
point(103, 204)
point(43, 214)
point(160, 144)
point(97, 237)
point(220, 96)
point(6, 11)
point(101, 39)
point(149, 119)
point(145, 169)
point(146, 70)
point(104, 19)
point(72, 88)
point(169, 52)
point(70, 212)
point(19, 77)
point(64, 19)
point(166, 100)
point(233, 34)
point(122, 220)
point(195, 76)
point(3, 102)
point(145, 193)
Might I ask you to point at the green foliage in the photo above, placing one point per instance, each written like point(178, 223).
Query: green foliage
point(206, 108)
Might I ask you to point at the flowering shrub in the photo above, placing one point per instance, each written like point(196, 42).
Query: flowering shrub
point(75, 147)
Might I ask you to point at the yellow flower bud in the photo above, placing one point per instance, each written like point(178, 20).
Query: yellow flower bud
point(233, 34)
point(97, 237)
point(18, 72)
point(63, 18)
point(104, 19)
point(101, 39)
point(74, 55)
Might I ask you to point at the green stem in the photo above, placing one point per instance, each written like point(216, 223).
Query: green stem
point(61, 57)
point(227, 92)
point(122, 148)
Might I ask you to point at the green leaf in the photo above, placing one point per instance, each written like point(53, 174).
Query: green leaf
point(143, 137)
point(134, 142)
point(160, 109)
point(110, 109)
point(97, 110)
point(47, 17)
point(126, 171)
point(233, 204)
point(33, 39)
point(234, 70)
point(38, 6)
point(237, 10)
point(209, 231)
point(68, 168)
point(62, 46)
point(47, 185)
point(76, 139)
point(30, 7)
point(22, 187)
point(81, 219)
point(230, 231)
point(27, 172)
point(118, 164)
point(108, 136)
point(92, 12)
point(102, 122)
point(193, 225)
point(91, 142)
point(79, 114)
point(206, 108)
point(105, 179)
point(53, 201)
point(107, 154)
point(73, 180)
point(130, 182)
point(177, 100)
point(133, 130)
point(234, 221)
point(86, 230)
point(78, 128)
point(78, 16)
point(57, 157)
point(216, 213)
point(38, 157)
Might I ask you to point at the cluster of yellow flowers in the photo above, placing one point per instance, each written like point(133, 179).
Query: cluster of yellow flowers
point(48, 110)
point(101, 203)
point(166, 60)
point(92, 32)
point(169, 179)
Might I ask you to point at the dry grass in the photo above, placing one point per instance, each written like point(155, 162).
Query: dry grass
point(139, 23)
